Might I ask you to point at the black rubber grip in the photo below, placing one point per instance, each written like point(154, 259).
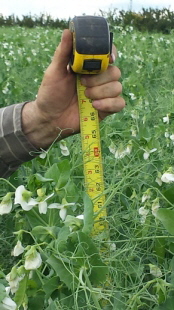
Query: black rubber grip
point(92, 35)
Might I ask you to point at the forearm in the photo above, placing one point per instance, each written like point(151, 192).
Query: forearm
point(15, 148)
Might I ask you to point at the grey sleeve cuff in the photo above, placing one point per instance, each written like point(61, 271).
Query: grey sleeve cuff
point(15, 148)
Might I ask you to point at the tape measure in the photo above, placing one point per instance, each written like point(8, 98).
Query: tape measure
point(92, 44)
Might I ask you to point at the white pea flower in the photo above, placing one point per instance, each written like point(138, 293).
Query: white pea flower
point(62, 208)
point(6, 204)
point(120, 54)
point(81, 217)
point(172, 137)
point(43, 155)
point(166, 119)
point(42, 204)
point(33, 259)
point(112, 148)
point(148, 152)
point(121, 152)
point(166, 134)
point(167, 177)
point(42, 207)
point(135, 114)
point(158, 179)
point(155, 271)
point(8, 304)
point(133, 97)
point(34, 53)
point(155, 206)
point(14, 277)
point(128, 148)
point(146, 195)
point(133, 132)
point(112, 247)
point(64, 148)
point(18, 249)
point(146, 155)
point(8, 63)
point(23, 197)
point(7, 289)
point(5, 90)
point(143, 212)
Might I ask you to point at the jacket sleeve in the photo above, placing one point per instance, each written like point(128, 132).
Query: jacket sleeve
point(15, 148)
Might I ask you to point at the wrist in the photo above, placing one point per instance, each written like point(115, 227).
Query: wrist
point(39, 129)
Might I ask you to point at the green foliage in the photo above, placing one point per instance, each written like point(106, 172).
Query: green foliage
point(88, 214)
point(30, 21)
point(152, 20)
point(167, 218)
point(80, 269)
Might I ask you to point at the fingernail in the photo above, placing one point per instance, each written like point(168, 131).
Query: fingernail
point(113, 57)
point(96, 104)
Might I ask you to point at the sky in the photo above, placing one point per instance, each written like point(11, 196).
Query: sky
point(69, 8)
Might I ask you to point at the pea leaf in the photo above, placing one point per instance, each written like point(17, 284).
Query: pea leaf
point(45, 233)
point(167, 305)
point(71, 191)
point(50, 286)
point(35, 218)
point(61, 241)
point(169, 194)
point(39, 177)
point(166, 217)
point(2, 292)
point(63, 271)
point(88, 214)
point(60, 173)
point(64, 173)
point(119, 301)
point(98, 270)
point(21, 292)
point(53, 173)
point(37, 302)
point(52, 306)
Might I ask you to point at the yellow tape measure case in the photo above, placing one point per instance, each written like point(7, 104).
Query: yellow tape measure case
point(92, 44)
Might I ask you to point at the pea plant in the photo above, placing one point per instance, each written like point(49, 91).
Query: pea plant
point(50, 258)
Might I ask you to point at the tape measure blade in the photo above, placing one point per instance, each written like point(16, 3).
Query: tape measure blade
point(92, 157)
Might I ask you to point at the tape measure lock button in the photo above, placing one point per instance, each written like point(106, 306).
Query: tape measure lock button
point(92, 64)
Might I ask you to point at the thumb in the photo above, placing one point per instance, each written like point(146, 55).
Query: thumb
point(63, 52)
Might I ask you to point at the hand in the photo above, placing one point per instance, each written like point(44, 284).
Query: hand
point(55, 110)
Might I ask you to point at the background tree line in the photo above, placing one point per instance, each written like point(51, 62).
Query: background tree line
point(151, 20)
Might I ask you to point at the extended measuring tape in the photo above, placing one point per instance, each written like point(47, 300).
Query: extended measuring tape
point(92, 44)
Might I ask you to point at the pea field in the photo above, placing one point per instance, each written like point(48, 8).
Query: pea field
point(49, 258)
